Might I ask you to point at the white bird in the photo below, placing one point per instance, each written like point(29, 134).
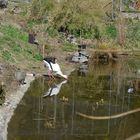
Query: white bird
point(55, 68)
point(130, 90)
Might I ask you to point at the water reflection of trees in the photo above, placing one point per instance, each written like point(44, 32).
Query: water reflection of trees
point(102, 92)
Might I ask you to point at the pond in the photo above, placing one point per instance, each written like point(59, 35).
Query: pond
point(100, 101)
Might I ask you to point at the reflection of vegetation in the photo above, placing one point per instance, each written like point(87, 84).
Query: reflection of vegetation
point(36, 88)
point(133, 64)
point(101, 83)
point(87, 88)
point(83, 95)
point(41, 85)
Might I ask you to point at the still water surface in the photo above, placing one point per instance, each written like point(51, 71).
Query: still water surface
point(60, 110)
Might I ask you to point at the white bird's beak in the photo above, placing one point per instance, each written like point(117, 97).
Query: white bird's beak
point(65, 76)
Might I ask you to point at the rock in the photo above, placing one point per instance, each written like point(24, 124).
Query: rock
point(20, 76)
point(3, 3)
point(80, 57)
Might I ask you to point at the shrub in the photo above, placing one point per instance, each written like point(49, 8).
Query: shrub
point(52, 32)
point(69, 47)
point(111, 31)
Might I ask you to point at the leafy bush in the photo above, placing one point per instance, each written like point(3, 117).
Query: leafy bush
point(83, 32)
point(111, 31)
point(69, 47)
point(52, 32)
point(40, 9)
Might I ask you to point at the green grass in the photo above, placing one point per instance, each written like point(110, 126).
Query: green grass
point(69, 47)
point(6, 55)
point(38, 57)
point(10, 31)
point(111, 31)
point(15, 47)
point(52, 32)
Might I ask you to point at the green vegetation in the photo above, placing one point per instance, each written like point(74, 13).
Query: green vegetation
point(130, 5)
point(111, 31)
point(13, 32)
point(86, 20)
point(52, 32)
point(16, 47)
point(38, 56)
point(6, 55)
point(77, 16)
point(69, 47)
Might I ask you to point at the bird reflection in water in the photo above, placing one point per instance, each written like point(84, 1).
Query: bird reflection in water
point(54, 89)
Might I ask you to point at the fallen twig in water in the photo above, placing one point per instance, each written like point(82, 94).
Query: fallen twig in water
point(134, 137)
point(108, 117)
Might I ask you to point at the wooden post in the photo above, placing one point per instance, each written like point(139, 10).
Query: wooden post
point(113, 9)
point(121, 24)
point(43, 47)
